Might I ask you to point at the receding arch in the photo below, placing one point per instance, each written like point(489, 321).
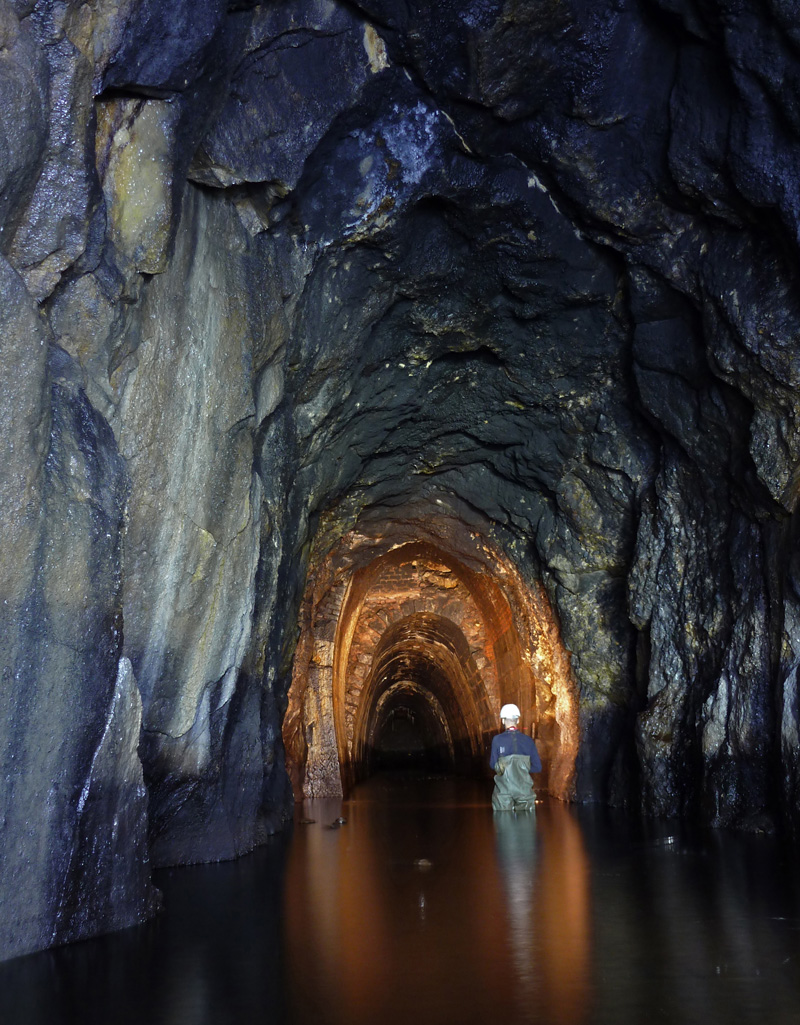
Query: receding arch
point(435, 748)
point(437, 608)
point(429, 655)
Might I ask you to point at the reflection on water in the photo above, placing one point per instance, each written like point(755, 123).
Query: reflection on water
point(213, 957)
point(426, 907)
point(515, 837)
point(548, 910)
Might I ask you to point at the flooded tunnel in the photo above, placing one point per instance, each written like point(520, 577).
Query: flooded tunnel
point(423, 906)
point(366, 366)
point(408, 649)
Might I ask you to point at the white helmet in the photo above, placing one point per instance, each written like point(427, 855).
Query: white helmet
point(509, 712)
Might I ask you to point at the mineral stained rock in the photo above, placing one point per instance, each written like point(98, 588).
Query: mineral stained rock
point(269, 272)
point(74, 843)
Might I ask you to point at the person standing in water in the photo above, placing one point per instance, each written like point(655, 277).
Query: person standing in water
point(514, 757)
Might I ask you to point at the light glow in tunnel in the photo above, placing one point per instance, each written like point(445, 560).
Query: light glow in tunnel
point(410, 642)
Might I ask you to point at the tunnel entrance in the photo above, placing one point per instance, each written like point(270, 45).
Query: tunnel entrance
point(410, 642)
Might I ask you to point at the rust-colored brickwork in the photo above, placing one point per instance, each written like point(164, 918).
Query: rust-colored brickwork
point(425, 626)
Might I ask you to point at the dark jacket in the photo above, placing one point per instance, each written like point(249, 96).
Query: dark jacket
point(513, 742)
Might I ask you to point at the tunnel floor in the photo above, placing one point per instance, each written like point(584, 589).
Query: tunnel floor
point(424, 907)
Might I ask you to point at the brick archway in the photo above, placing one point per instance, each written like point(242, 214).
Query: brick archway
point(444, 612)
point(429, 655)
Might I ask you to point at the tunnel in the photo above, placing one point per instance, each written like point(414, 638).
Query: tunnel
point(420, 667)
point(369, 365)
point(423, 639)
point(408, 727)
point(409, 704)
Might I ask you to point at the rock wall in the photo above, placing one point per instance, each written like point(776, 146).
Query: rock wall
point(270, 271)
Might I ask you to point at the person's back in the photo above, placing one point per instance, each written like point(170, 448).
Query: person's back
point(514, 742)
point(513, 757)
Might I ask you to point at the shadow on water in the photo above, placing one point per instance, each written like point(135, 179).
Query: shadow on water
point(213, 957)
point(426, 907)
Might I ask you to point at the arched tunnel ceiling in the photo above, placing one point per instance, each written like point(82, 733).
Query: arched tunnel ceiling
point(527, 268)
point(430, 653)
point(444, 610)
point(421, 673)
point(481, 339)
point(469, 386)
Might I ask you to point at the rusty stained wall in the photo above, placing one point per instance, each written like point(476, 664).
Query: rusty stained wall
point(407, 588)
point(466, 611)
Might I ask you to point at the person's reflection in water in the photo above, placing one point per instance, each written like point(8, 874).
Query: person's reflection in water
point(515, 839)
point(545, 875)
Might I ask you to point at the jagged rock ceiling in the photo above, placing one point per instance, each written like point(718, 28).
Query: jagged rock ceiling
point(271, 273)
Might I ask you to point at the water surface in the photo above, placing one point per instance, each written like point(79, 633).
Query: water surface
point(426, 907)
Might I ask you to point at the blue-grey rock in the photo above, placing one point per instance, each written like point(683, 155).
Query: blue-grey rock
point(73, 848)
point(162, 49)
point(280, 101)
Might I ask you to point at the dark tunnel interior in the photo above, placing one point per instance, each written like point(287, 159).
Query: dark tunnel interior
point(367, 365)
point(409, 732)
point(415, 719)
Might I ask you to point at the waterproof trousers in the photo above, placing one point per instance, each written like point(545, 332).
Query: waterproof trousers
point(513, 786)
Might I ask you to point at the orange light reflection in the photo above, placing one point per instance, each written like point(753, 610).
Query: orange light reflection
point(430, 911)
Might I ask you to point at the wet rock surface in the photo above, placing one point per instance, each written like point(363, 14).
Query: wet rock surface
point(530, 267)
